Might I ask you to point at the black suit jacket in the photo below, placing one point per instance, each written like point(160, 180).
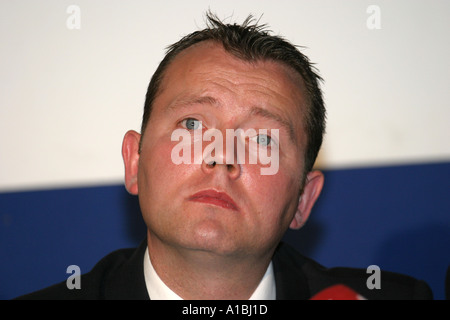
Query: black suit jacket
point(120, 275)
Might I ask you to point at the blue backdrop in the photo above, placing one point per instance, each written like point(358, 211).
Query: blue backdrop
point(395, 217)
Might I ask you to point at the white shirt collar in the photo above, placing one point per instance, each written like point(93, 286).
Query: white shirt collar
point(157, 289)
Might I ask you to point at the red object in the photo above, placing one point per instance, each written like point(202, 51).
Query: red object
point(337, 292)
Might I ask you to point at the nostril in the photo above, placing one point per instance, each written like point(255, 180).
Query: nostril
point(234, 170)
point(211, 164)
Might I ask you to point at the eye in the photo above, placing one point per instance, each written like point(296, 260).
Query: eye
point(191, 124)
point(263, 139)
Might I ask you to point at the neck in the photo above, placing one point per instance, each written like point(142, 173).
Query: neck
point(200, 275)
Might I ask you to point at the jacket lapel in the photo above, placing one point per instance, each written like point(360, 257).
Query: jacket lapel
point(127, 282)
point(291, 282)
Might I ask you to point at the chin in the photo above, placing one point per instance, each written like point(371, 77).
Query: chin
point(211, 237)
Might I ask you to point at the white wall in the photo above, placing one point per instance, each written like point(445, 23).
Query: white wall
point(67, 96)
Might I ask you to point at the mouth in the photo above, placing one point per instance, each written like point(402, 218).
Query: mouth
point(216, 198)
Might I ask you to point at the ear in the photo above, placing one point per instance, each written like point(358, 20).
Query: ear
point(311, 192)
point(130, 154)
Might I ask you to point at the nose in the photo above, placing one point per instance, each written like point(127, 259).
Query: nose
point(233, 170)
point(220, 160)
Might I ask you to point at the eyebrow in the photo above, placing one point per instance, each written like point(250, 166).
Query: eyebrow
point(254, 111)
point(257, 111)
point(189, 101)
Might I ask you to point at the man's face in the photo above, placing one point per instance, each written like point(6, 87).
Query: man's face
point(207, 88)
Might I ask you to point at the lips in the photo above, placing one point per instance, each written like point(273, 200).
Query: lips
point(216, 198)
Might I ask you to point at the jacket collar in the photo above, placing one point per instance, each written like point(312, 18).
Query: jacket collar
point(128, 282)
point(290, 279)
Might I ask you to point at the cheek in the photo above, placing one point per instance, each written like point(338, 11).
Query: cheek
point(160, 184)
point(275, 192)
point(157, 171)
point(273, 205)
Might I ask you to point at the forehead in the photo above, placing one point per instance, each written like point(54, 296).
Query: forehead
point(206, 68)
point(210, 57)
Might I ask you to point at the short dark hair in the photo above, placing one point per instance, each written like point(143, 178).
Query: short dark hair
point(251, 42)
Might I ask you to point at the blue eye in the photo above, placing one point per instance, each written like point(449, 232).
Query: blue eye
point(263, 139)
point(192, 124)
